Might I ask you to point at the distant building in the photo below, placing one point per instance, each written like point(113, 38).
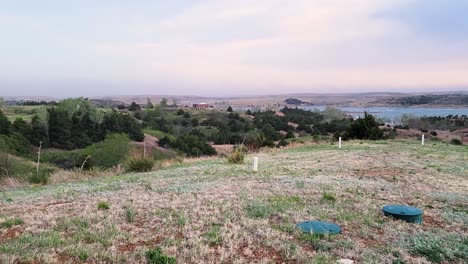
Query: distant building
point(202, 106)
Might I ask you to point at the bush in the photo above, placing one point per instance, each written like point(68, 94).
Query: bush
point(140, 164)
point(41, 177)
point(109, 152)
point(365, 128)
point(156, 256)
point(282, 143)
point(433, 133)
point(237, 156)
point(456, 141)
point(192, 145)
point(130, 214)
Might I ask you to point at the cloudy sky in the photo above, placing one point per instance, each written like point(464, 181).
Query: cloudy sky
point(222, 47)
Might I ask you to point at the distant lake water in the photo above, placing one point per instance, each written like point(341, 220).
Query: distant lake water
point(395, 113)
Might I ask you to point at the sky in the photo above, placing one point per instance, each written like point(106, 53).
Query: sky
point(239, 47)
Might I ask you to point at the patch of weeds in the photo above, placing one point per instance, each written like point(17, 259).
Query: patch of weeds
point(323, 259)
point(289, 250)
point(102, 237)
point(147, 185)
point(439, 247)
point(78, 251)
point(103, 205)
point(282, 203)
point(287, 228)
point(130, 213)
point(72, 225)
point(214, 235)
point(12, 222)
point(300, 184)
point(156, 256)
point(398, 259)
point(31, 243)
point(453, 214)
point(329, 197)
point(181, 219)
point(318, 242)
point(258, 209)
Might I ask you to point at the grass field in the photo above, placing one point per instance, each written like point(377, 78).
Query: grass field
point(210, 211)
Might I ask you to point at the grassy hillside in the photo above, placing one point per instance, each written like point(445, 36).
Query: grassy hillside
point(210, 211)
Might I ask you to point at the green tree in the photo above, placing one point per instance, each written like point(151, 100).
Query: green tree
point(174, 103)
point(134, 107)
point(4, 124)
point(163, 103)
point(365, 128)
point(149, 105)
point(230, 109)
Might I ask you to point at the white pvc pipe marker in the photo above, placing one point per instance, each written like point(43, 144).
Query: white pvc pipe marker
point(339, 142)
point(255, 164)
point(422, 140)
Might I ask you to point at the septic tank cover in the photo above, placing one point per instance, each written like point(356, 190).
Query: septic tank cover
point(319, 227)
point(402, 212)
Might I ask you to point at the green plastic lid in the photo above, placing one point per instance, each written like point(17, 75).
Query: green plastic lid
point(319, 227)
point(402, 212)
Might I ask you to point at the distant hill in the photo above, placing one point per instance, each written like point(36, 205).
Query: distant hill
point(428, 99)
point(295, 101)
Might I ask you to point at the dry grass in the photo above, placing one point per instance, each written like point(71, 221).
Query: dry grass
point(210, 211)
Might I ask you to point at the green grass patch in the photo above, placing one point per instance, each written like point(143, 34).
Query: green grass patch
point(157, 256)
point(439, 248)
point(103, 205)
point(213, 235)
point(12, 222)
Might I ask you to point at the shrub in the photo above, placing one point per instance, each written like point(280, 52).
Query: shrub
point(456, 141)
point(193, 145)
point(41, 177)
point(365, 128)
point(156, 256)
point(140, 164)
point(433, 133)
point(109, 152)
point(130, 214)
point(282, 143)
point(103, 205)
point(237, 156)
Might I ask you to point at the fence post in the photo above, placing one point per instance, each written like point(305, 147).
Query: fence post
point(339, 142)
point(255, 164)
point(422, 140)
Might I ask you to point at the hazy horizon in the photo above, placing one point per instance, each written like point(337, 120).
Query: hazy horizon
point(232, 48)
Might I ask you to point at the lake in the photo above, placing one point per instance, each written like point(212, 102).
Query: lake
point(394, 113)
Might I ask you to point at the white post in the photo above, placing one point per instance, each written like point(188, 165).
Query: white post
point(255, 164)
point(38, 157)
point(144, 149)
point(422, 140)
point(339, 142)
